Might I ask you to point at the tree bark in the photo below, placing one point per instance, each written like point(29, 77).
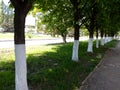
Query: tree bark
point(75, 56)
point(102, 38)
point(97, 40)
point(20, 55)
point(97, 43)
point(105, 39)
point(90, 45)
point(21, 10)
point(75, 51)
point(20, 67)
point(91, 32)
point(19, 25)
point(64, 37)
point(76, 30)
point(91, 26)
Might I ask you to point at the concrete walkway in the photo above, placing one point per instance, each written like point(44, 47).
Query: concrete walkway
point(106, 76)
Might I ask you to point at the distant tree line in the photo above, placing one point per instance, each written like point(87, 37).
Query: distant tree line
point(6, 17)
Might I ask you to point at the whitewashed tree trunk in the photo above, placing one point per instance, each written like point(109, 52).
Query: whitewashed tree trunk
point(102, 41)
point(75, 51)
point(97, 43)
point(106, 40)
point(90, 45)
point(112, 38)
point(20, 67)
point(109, 39)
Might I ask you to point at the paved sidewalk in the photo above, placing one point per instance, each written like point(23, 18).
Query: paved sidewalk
point(106, 76)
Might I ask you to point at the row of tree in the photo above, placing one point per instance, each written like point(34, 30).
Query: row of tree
point(98, 16)
point(60, 15)
point(6, 17)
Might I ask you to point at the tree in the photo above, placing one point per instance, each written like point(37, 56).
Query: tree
point(76, 8)
point(103, 22)
point(97, 23)
point(7, 23)
point(57, 27)
point(75, 4)
point(56, 21)
point(1, 13)
point(79, 19)
point(90, 24)
point(97, 34)
point(114, 17)
point(21, 7)
point(109, 22)
point(97, 19)
point(6, 17)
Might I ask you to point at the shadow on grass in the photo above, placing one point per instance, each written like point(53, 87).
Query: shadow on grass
point(7, 76)
point(56, 70)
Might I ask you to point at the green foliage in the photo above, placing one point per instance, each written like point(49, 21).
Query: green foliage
point(51, 68)
point(6, 17)
point(104, 15)
point(58, 18)
point(84, 32)
point(1, 12)
point(29, 34)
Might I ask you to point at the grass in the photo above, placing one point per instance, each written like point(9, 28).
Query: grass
point(50, 67)
point(7, 35)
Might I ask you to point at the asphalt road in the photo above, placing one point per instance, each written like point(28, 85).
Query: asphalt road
point(10, 43)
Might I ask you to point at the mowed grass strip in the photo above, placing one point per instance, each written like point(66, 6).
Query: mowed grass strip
point(10, 36)
point(50, 67)
point(6, 35)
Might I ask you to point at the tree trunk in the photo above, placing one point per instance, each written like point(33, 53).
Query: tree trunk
point(102, 41)
point(97, 43)
point(91, 27)
point(76, 44)
point(20, 54)
point(112, 35)
point(76, 30)
point(105, 39)
point(109, 37)
point(90, 42)
point(97, 40)
point(20, 67)
point(75, 51)
point(102, 38)
point(21, 7)
point(91, 32)
point(64, 37)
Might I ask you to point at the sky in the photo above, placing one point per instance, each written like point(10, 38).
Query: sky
point(29, 19)
point(6, 2)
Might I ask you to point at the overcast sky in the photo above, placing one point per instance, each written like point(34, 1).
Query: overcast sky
point(6, 1)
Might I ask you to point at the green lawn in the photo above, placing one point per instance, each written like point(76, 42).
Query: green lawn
point(6, 35)
point(50, 67)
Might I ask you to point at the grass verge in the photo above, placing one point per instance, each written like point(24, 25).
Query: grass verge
point(10, 36)
point(50, 67)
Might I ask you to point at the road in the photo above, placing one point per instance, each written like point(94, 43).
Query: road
point(10, 43)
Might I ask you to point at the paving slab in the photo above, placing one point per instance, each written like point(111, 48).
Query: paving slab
point(106, 76)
